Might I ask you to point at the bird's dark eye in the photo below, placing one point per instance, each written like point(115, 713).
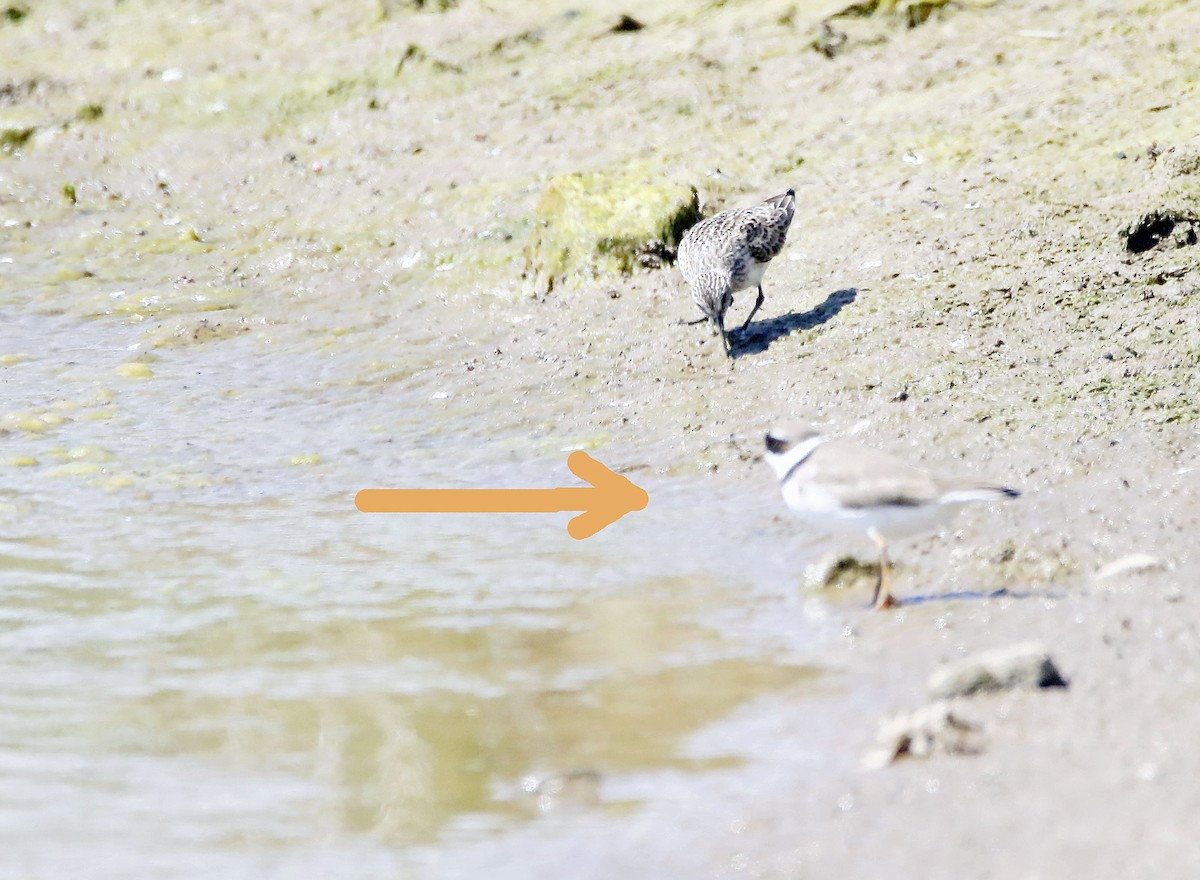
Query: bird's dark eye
point(774, 444)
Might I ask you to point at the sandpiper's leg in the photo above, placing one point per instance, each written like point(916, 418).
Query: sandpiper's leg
point(754, 311)
point(883, 598)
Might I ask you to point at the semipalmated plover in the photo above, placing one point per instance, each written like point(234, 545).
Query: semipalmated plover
point(843, 486)
point(729, 252)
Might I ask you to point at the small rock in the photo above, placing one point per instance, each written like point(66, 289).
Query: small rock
point(625, 24)
point(1018, 666)
point(919, 734)
point(830, 41)
point(840, 572)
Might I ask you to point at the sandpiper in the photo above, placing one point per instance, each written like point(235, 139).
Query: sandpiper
point(729, 252)
point(843, 486)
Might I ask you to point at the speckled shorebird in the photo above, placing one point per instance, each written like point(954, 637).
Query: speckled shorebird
point(729, 252)
point(839, 485)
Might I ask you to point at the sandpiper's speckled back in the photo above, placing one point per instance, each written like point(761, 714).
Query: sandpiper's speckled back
point(729, 251)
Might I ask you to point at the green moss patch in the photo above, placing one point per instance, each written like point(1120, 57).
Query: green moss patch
point(13, 140)
point(607, 222)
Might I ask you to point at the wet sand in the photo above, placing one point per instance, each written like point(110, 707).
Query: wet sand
point(956, 289)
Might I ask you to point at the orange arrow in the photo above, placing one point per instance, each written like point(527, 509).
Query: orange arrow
point(611, 497)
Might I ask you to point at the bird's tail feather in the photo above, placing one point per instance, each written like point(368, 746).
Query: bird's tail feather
point(963, 494)
point(783, 199)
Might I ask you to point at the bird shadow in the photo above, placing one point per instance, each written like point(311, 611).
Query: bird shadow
point(758, 337)
point(973, 596)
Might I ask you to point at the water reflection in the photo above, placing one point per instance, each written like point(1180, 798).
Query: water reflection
point(415, 722)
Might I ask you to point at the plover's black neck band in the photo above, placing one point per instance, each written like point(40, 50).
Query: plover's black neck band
point(813, 445)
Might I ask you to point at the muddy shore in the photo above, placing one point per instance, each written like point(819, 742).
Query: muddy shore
point(959, 288)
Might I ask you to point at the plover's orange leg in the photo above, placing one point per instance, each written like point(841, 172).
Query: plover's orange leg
point(883, 598)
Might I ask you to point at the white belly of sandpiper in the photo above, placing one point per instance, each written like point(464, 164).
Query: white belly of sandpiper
point(754, 275)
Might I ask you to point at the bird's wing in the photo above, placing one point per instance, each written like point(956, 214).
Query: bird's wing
point(764, 229)
point(860, 478)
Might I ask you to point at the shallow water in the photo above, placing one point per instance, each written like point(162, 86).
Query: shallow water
point(214, 665)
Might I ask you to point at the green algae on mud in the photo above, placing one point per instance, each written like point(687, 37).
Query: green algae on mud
point(14, 140)
point(598, 222)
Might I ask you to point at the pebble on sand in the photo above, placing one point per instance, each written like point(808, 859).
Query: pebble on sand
point(833, 571)
point(1026, 665)
point(919, 734)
